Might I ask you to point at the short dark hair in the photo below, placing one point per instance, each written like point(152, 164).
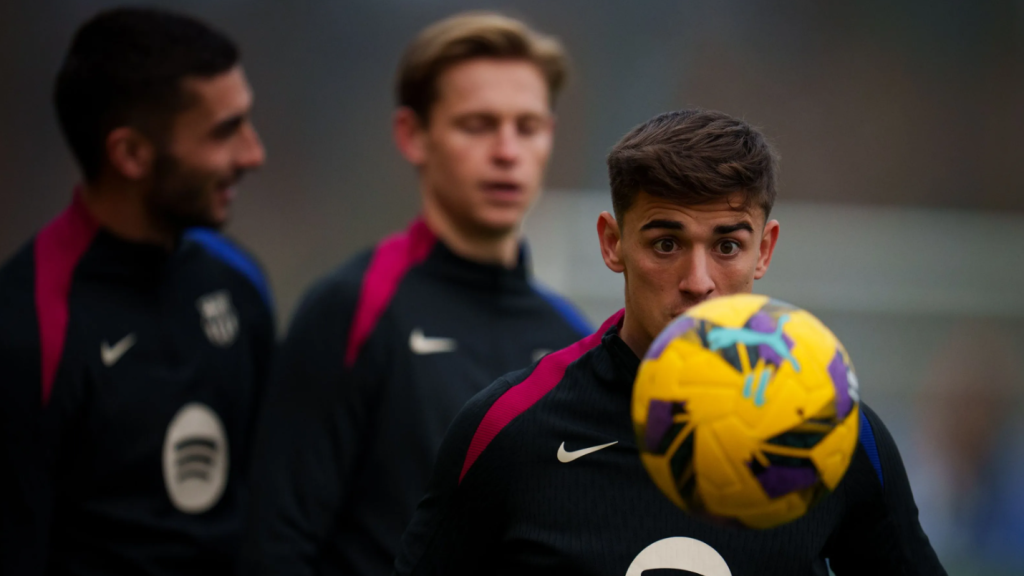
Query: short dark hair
point(125, 67)
point(693, 157)
point(468, 36)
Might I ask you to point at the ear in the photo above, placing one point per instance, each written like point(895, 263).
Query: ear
point(767, 248)
point(611, 242)
point(130, 153)
point(410, 135)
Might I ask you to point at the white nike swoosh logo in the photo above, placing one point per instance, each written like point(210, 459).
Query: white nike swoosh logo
point(421, 344)
point(111, 354)
point(564, 456)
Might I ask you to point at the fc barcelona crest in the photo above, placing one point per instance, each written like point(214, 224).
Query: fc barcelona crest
point(220, 321)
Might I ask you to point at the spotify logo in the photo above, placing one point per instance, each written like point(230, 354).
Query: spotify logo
point(195, 459)
point(679, 555)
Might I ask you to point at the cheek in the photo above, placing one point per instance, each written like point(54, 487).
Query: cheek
point(471, 163)
point(735, 276)
point(455, 162)
point(657, 279)
point(540, 152)
point(211, 159)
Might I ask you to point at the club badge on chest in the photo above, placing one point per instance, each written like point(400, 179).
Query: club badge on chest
point(219, 319)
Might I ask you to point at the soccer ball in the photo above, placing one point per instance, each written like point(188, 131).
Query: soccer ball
point(746, 411)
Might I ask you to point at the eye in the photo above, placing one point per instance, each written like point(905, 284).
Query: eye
point(664, 245)
point(227, 129)
point(528, 126)
point(729, 247)
point(475, 124)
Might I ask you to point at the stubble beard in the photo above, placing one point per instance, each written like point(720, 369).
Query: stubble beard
point(180, 197)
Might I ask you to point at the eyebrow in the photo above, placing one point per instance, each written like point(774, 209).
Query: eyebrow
point(730, 228)
point(662, 225)
point(228, 125)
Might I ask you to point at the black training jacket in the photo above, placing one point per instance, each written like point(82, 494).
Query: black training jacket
point(506, 499)
point(130, 383)
point(379, 359)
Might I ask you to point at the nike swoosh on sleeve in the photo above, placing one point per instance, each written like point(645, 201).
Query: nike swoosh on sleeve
point(420, 344)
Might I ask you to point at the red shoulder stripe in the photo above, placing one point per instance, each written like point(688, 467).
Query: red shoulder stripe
point(58, 248)
point(392, 259)
point(520, 397)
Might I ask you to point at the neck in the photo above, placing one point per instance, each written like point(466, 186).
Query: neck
point(634, 336)
point(119, 209)
point(501, 249)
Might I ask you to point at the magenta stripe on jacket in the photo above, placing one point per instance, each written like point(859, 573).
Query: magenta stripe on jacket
point(392, 259)
point(522, 396)
point(58, 248)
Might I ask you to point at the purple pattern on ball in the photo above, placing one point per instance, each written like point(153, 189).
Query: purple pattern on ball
point(678, 327)
point(765, 324)
point(781, 480)
point(761, 322)
point(837, 370)
point(659, 421)
point(770, 355)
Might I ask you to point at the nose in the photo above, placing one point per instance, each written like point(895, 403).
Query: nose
point(697, 284)
point(507, 148)
point(251, 154)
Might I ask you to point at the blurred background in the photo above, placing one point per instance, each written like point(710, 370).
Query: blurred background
point(902, 205)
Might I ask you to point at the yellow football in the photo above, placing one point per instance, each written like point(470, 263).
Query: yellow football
point(746, 409)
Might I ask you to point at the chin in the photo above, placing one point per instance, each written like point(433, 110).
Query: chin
point(218, 221)
point(499, 224)
point(217, 225)
point(218, 215)
point(215, 220)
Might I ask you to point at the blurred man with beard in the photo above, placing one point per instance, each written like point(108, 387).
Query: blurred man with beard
point(135, 339)
point(385, 351)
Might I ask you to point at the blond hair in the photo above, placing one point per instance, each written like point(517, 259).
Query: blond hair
point(468, 36)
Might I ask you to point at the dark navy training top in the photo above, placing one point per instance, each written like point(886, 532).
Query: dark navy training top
point(379, 359)
point(130, 383)
point(506, 499)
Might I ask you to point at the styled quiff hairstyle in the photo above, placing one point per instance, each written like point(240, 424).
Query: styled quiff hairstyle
point(693, 157)
point(469, 36)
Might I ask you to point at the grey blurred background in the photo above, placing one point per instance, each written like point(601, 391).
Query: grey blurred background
point(900, 127)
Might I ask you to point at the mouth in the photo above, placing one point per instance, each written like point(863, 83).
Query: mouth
point(684, 309)
point(227, 192)
point(227, 189)
point(502, 189)
point(689, 303)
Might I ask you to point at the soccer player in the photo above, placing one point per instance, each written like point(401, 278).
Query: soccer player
point(384, 351)
point(540, 473)
point(134, 346)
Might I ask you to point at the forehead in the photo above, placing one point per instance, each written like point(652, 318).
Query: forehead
point(217, 97)
point(488, 84)
point(733, 209)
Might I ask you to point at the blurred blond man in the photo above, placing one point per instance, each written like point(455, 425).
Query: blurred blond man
point(386, 350)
